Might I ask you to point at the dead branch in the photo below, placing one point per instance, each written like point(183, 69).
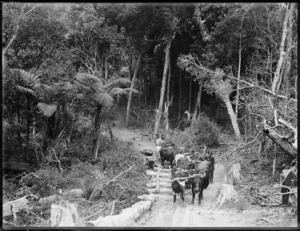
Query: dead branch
point(139, 118)
point(244, 145)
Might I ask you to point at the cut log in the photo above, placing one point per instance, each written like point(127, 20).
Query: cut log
point(152, 173)
point(148, 151)
point(227, 196)
point(18, 166)
point(12, 207)
point(64, 214)
point(161, 184)
point(26, 202)
point(160, 191)
point(234, 175)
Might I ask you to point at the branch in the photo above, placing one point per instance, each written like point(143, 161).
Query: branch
point(243, 81)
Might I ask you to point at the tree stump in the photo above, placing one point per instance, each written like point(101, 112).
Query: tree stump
point(227, 196)
point(64, 214)
point(288, 177)
point(234, 175)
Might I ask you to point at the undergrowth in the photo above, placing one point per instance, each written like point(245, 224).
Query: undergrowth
point(203, 131)
point(109, 184)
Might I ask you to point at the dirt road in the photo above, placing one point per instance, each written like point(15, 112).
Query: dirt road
point(166, 213)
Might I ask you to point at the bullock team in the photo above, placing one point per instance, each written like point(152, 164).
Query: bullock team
point(193, 170)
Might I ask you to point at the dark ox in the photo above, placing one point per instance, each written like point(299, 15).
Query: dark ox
point(178, 187)
point(183, 162)
point(167, 154)
point(206, 165)
point(198, 183)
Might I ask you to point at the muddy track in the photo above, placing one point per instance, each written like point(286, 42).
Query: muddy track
point(166, 213)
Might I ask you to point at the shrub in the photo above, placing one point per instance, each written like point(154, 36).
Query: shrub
point(203, 131)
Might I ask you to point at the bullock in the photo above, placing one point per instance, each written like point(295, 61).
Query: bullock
point(205, 166)
point(167, 154)
point(178, 187)
point(198, 183)
point(150, 163)
point(183, 161)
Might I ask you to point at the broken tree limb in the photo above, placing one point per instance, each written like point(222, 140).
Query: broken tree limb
point(294, 129)
point(279, 140)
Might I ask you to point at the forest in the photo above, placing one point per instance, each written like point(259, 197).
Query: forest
point(75, 75)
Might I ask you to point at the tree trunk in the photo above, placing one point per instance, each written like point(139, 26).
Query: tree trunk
point(190, 95)
point(287, 57)
point(238, 77)
point(168, 99)
point(19, 133)
point(163, 85)
point(233, 118)
point(198, 102)
point(179, 99)
point(28, 126)
point(132, 84)
point(97, 127)
point(277, 76)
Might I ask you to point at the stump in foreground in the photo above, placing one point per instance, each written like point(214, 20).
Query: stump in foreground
point(64, 214)
point(227, 197)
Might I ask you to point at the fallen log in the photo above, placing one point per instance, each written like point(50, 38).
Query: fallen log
point(161, 184)
point(26, 202)
point(18, 166)
point(161, 191)
point(162, 174)
point(283, 143)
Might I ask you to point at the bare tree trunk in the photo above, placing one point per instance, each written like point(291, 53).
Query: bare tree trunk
point(198, 103)
point(19, 133)
point(239, 76)
point(190, 94)
point(163, 85)
point(28, 126)
point(287, 56)
point(168, 99)
point(233, 118)
point(277, 75)
point(106, 66)
point(97, 127)
point(132, 84)
point(179, 99)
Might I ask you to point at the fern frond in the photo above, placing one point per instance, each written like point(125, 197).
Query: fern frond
point(29, 78)
point(24, 89)
point(44, 92)
point(121, 82)
point(87, 80)
point(47, 109)
point(129, 89)
point(117, 91)
point(104, 99)
point(63, 85)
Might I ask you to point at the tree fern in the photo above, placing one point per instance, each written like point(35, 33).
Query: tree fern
point(117, 83)
point(88, 81)
point(24, 89)
point(104, 99)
